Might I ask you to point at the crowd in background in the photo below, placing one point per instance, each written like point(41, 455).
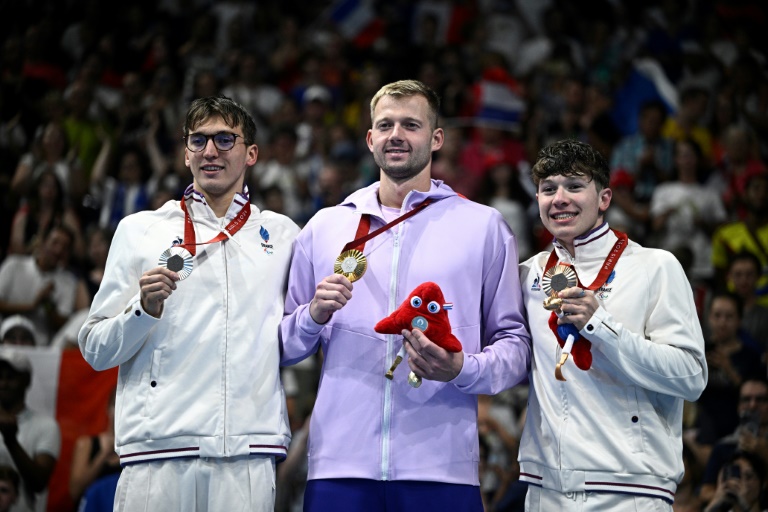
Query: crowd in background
point(672, 92)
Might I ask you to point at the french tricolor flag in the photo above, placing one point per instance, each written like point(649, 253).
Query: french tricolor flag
point(65, 387)
point(498, 102)
point(357, 21)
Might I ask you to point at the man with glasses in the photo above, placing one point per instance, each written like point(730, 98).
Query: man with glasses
point(750, 436)
point(189, 309)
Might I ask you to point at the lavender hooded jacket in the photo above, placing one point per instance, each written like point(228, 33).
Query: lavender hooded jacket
point(364, 425)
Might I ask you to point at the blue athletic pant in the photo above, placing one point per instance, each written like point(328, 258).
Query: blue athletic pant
point(361, 495)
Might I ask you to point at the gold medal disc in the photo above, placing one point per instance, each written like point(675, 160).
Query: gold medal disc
point(177, 259)
point(351, 264)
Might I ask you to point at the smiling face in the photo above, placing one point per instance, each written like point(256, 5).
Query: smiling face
point(402, 138)
point(217, 174)
point(570, 206)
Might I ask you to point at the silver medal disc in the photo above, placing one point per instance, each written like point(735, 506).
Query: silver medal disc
point(177, 259)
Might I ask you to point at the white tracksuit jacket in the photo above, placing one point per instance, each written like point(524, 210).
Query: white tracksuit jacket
point(202, 380)
point(618, 426)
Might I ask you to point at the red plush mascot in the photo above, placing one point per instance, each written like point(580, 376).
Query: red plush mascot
point(425, 309)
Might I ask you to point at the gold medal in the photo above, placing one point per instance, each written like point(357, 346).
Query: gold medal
point(351, 264)
point(555, 280)
point(177, 259)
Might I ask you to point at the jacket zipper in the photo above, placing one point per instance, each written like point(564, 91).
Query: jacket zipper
point(226, 340)
point(387, 416)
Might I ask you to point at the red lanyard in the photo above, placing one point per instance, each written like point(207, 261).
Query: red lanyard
point(229, 231)
point(608, 264)
point(365, 224)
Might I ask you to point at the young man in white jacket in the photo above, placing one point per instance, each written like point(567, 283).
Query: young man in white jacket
point(189, 309)
point(603, 428)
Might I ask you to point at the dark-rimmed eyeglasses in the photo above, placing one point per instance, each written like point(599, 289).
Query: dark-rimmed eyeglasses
point(224, 141)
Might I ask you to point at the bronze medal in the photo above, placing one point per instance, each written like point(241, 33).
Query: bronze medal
point(351, 264)
point(555, 280)
point(177, 259)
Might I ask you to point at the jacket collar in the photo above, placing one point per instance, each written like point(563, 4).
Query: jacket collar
point(596, 243)
point(366, 200)
point(198, 208)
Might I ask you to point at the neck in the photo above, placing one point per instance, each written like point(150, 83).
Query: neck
point(219, 205)
point(567, 246)
point(392, 193)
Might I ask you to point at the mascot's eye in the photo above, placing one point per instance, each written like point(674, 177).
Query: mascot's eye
point(433, 307)
point(416, 301)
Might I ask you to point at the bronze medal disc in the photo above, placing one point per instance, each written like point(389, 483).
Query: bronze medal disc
point(177, 259)
point(558, 278)
point(351, 264)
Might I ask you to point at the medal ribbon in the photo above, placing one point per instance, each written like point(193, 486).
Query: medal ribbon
point(365, 224)
point(228, 232)
point(608, 264)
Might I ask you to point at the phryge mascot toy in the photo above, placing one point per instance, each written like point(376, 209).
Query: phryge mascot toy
point(425, 309)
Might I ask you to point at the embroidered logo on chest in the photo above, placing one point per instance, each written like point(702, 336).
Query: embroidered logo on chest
point(604, 291)
point(268, 248)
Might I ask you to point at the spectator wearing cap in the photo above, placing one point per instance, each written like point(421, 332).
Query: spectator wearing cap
point(31, 441)
point(316, 108)
point(18, 330)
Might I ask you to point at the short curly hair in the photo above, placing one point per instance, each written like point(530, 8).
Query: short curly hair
point(570, 157)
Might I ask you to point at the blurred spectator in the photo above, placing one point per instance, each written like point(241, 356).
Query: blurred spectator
point(647, 156)
point(45, 207)
point(18, 330)
point(743, 273)
point(249, 89)
point(9, 488)
point(49, 153)
point(748, 234)
point(447, 164)
point(316, 112)
point(687, 494)
point(506, 189)
point(40, 286)
point(94, 457)
point(731, 359)
point(751, 434)
point(740, 161)
point(485, 142)
point(82, 125)
point(284, 170)
point(98, 240)
point(740, 485)
point(689, 121)
point(30, 441)
point(122, 182)
point(684, 212)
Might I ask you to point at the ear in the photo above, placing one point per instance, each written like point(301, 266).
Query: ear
point(253, 155)
point(186, 157)
point(604, 196)
point(438, 137)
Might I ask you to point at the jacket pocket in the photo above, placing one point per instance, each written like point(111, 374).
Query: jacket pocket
point(153, 383)
point(634, 421)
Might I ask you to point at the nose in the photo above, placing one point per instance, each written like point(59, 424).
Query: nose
point(560, 196)
point(210, 150)
point(395, 134)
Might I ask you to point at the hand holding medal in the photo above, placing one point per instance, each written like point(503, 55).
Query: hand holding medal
point(555, 280)
point(351, 264)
